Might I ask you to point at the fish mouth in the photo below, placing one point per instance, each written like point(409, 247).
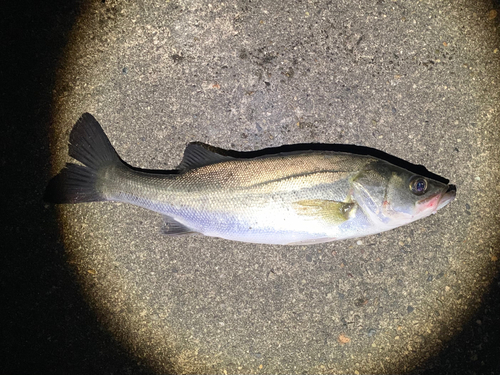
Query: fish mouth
point(437, 201)
point(448, 196)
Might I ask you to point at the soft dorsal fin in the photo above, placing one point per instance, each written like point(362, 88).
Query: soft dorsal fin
point(196, 155)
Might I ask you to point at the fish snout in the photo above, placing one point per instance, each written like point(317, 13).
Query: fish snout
point(448, 196)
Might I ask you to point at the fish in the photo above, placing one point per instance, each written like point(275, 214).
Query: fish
point(289, 198)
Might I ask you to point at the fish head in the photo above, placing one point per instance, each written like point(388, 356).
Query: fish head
point(392, 196)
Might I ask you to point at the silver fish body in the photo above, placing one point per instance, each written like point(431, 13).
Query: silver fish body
point(289, 198)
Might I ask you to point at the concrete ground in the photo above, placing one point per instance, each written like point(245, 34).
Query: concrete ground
point(418, 80)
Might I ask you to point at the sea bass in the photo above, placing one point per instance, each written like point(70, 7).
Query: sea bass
point(304, 197)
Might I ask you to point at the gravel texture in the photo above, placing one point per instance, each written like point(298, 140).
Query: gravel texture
point(418, 80)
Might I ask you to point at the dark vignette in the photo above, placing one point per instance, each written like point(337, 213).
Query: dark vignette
point(47, 327)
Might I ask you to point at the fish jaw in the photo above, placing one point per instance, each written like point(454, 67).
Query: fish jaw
point(432, 204)
point(448, 197)
point(427, 206)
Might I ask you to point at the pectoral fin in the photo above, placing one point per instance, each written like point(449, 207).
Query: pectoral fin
point(331, 211)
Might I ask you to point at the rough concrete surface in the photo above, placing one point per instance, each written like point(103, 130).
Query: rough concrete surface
point(418, 80)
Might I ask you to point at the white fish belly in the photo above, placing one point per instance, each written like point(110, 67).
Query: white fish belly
point(280, 226)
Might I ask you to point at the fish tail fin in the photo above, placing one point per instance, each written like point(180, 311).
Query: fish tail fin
point(90, 146)
point(74, 184)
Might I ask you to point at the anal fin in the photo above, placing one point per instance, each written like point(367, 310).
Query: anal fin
point(313, 241)
point(172, 227)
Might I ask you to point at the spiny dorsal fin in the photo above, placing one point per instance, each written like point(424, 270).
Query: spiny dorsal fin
point(196, 155)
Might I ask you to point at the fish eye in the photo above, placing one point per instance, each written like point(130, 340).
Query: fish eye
point(418, 186)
